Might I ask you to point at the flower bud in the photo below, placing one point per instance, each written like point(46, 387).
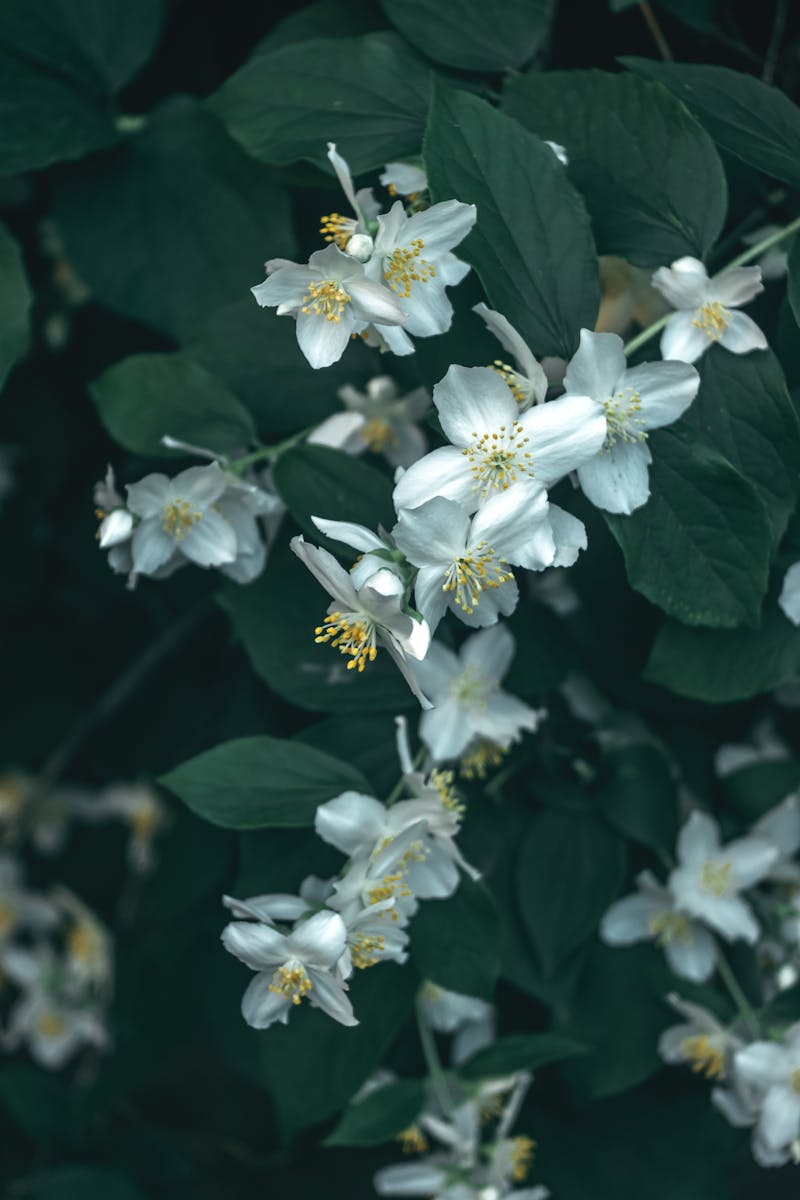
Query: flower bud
point(360, 247)
point(115, 528)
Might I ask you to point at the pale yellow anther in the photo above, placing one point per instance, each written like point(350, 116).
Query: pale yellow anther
point(291, 981)
point(713, 319)
point(703, 1056)
point(178, 518)
point(480, 759)
point(83, 943)
point(404, 266)
point(669, 927)
point(327, 299)
point(352, 634)
point(378, 435)
point(412, 1140)
point(336, 228)
point(523, 1150)
point(499, 459)
point(716, 877)
point(471, 574)
point(51, 1025)
point(623, 422)
point(8, 918)
point(366, 950)
point(511, 378)
point(796, 1080)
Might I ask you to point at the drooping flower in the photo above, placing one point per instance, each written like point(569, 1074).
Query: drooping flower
point(331, 298)
point(709, 877)
point(634, 402)
point(652, 914)
point(706, 309)
point(291, 967)
point(526, 378)
point(360, 619)
point(469, 1020)
point(494, 445)
point(380, 420)
point(702, 1042)
point(774, 1069)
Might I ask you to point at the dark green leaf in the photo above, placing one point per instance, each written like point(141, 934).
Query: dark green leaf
point(638, 796)
point(543, 655)
point(275, 618)
point(520, 1052)
point(793, 284)
point(569, 869)
point(320, 482)
point(743, 409)
point(85, 1183)
point(59, 67)
point(324, 18)
point(149, 395)
point(650, 175)
point(368, 743)
point(367, 94)
point(380, 1115)
point(532, 245)
point(749, 118)
point(15, 303)
point(721, 665)
point(700, 546)
point(754, 789)
point(261, 782)
point(472, 35)
point(458, 942)
point(176, 223)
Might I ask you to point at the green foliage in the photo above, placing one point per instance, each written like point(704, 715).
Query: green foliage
point(380, 1115)
point(467, 34)
point(15, 303)
point(143, 397)
point(368, 94)
point(637, 795)
point(260, 783)
point(86, 1183)
point(458, 942)
point(794, 279)
point(649, 173)
point(520, 1052)
point(532, 245)
point(699, 548)
point(315, 481)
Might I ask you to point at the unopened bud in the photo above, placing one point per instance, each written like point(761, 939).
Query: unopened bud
point(360, 247)
point(115, 528)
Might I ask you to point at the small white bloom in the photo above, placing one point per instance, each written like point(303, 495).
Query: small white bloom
point(243, 504)
point(52, 1026)
point(781, 828)
point(789, 599)
point(652, 914)
point(774, 261)
point(291, 967)
point(700, 1041)
point(774, 1069)
point(404, 179)
point(468, 702)
point(387, 422)
point(331, 298)
point(494, 445)
point(361, 618)
point(178, 519)
point(350, 233)
point(526, 379)
point(469, 1020)
point(377, 881)
point(634, 402)
point(87, 945)
point(705, 309)
point(141, 808)
point(763, 745)
point(709, 877)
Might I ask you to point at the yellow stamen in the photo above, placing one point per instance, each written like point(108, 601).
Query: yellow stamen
point(349, 633)
point(144, 819)
point(471, 574)
point(366, 950)
point(716, 877)
point(511, 378)
point(51, 1025)
point(82, 943)
point(378, 435)
point(480, 759)
point(8, 918)
point(703, 1056)
point(498, 459)
point(443, 781)
point(178, 519)
point(413, 1140)
point(622, 418)
point(336, 228)
point(669, 927)
point(291, 981)
point(796, 1080)
point(326, 299)
point(713, 318)
point(404, 267)
point(522, 1154)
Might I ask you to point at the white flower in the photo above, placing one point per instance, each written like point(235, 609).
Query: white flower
point(709, 877)
point(331, 298)
point(634, 402)
point(380, 420)
point(140, 807)
point(775, 260)
point(463, 563)
point(19, 907)
point(179, 520)
point(242, 504)
point(705, 309)
point(350, 233)
point(376, 881)
point(359, 619)
point(87, 945)
point(291, 967)
point(468, 1019)
point(52, 1026)
point(468, 702)
point(404, 179)
point(526, 379)
point(652, 914)
point(494, 445)
point(789, 599)
point(781, 828)
point(701, 1042)
point(774, 1069)
point(413, 257)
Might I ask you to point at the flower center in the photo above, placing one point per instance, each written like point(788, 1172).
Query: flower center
point(622, 418)
point(82, 943)
point(469, 575)
point(472, 689)
point(669, 927)
point(713, 318)
point(391, 886)
point(442, 781)
point(336, 228)
point(8, 916)
point(378, 435)
point(412, 1140)
point(178, 518)
point(511, 378)
point(51, 1025)
point(498, 459)
point(404, 267)
point(716, 877)
point(366, 950)
point(480, 759)
point(291, 981)
point(796, 1080)
point(704, 1057)
point(350, 633)
point(326, 299)
point(522, 1152)
point(144, 820)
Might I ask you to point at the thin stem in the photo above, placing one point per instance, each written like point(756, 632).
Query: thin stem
point(658, 34)
point(432, 1060)
point(397, 790)
point(735, 991)
point(241, 464)
point(768, 74)
point(752, 252)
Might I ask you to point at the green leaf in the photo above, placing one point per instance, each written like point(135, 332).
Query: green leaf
point(743, 409)
point(85, 1183)
point(532, 245)
point(260, 783)
point(144, 397)
point(752, 790)
point(793, 282)
point(700, 547)
point(324, 19)
point(520, 1052)
point(469, 34)
point(380, 1115)
point(750, 119)
point(638, 796)
point(59, 67)
point(313, 1066)
point(15, 304)
point(321, 482)
point(275, 618)
point(569, 868)
point(722, 665)
point(649, 173)
point(368, 743)
point(367, 94)
point(176, 223)
point(457, 942)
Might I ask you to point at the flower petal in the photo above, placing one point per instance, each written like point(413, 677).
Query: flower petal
point(666, 390)
point(628, 920)
point(736, 286)
point(351, 822)
point(490, 652)
point(329, 995)
point(323, 342)
point(789, 599)
point(742, 335)
point(327, 571)
point(257, 946)
point(319, 941)
point(472, 401)
point(563, 434)
point(596, 367)
point(445, 731)
point(684, 284)
point(210, 541)
point(434, 532)
point(262, 1007)
point(151, 547)
point(444, 472)
point(617, 479)
point(147, 497)
point(682, 340)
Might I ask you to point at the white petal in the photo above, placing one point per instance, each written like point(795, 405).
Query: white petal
point(490, 652)
point(405, 178)
point(445, 731)
point(628, 920)
point(698, 840)
point(492, 604)
point(666, 389)
point(444, 472)
point(373, 302)
point(440, 227)
point(319, 941)
point(510, 521)
point(329, 995)
point(762, 1063)
point(596, 367)
point(341, 432)
point(472, 401)
point(352, 822)
point(258, 946)
point(429, 595)
point(427, 310)
point(617, 479)
point(327, 571)
point(151, 547)
point(287, 285)
point(569, 535)
point(210, 541)
point(742, 335)
point(409, 1179)
point(736, 286)
point(201, 486)
point(343, 175)
point(789, 599)
point(752, 858)
point(357, 536)
point(511, 341)
point(434, 532)
point(504, 718)
point(323, 342)
point(564, 434)
point(694, 957)
point(780, 1117)
point(149, 496)
point(682, 340)
point(262, 1007)
point(684, 284)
